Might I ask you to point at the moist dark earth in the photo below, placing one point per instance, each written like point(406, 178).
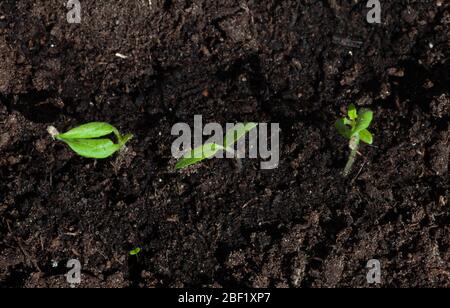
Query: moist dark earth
point(297, 63)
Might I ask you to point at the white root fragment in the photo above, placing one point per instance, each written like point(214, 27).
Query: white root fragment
point(52, 131)
point(119, 55)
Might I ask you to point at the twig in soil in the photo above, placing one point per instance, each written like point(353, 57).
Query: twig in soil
point(248, 202)
point(121, 56)
point(41, 241)
point(70, 233)
point(346, 42)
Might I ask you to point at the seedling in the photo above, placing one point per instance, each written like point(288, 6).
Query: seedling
point(355, 128)
point(86, 140)
point(209, 150)
point(135, 251)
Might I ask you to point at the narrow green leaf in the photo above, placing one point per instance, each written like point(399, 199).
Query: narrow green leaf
point(343, 129)
point(88, 131)
point(234, 135)
point(93, 148)
point(366, 136)
point(352, 112)
point(363, 122)
point(199, 154)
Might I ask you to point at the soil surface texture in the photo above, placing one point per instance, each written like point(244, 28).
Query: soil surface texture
point(144, 66)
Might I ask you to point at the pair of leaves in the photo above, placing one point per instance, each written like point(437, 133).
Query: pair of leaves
point(356, 125)
point(211, 149)
point(135, 251)
point(82, 140)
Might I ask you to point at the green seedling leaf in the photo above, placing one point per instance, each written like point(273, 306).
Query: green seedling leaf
point(352, 112)
point(93, 148)
point(135, 251)
point(199, 154)
point(363, 122)
point(209, 150)
point(82, 140)
point(89, 131)
point(366, 136)
point(355, 128)
point(343, 129)
point(234, 135)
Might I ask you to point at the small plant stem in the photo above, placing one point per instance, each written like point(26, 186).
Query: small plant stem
point(124, 139)
point(351, 161)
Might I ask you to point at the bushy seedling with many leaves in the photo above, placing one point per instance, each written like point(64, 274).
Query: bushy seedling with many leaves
point(355, 128)
point(89, 140)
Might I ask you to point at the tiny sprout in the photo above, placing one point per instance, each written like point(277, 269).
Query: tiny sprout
point(86, 139)
point(135, 251)
point(355, 128)
point(209, 150)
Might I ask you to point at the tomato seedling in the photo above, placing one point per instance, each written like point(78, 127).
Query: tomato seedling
point(209, 150)
point(86, 140)
point(355, 128)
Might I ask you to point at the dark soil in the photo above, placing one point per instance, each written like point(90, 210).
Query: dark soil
point(301, 225)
